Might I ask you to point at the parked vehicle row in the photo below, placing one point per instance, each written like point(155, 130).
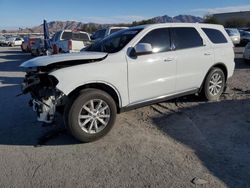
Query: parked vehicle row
point(240, 37)
point(3, 41)
point(129, 69)
point(234, 34)
point(10, 41)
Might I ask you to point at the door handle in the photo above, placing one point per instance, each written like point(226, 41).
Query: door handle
point(169, 59)
point(207, 53)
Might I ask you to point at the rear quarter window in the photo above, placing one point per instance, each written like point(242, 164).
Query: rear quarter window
point(215, 36)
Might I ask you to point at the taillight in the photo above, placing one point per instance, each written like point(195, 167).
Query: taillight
point(70, 44)
point(55, 51)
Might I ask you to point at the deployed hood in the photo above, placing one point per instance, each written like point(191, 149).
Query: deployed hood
point(70, 58)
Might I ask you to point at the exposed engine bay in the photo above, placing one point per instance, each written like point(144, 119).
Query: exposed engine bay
point(45, 96)
point(42, 86)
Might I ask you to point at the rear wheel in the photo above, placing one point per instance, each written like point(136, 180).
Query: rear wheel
point(214, 84)
point(91, 115)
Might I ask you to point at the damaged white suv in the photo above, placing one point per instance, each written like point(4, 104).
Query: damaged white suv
point(132, 68)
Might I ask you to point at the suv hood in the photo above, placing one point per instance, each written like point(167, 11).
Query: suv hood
point(64, 58)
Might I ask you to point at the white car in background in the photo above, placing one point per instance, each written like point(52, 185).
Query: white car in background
point(234, 34)
point(67, 41)
point(246, 54)
point(129, 69)
point(102, 33)
point(15, 41)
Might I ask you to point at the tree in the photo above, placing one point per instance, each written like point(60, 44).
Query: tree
point(210, 19)
point(4, 31)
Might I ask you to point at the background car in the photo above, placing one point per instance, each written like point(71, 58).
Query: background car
point(15, 41)
point(246, 54)
point(27, 43)
point(234, 34)
point(102, 33)
point(244, 37)
point(37, 49)
point(69, 41)
point(24, 45)
point(3, 41)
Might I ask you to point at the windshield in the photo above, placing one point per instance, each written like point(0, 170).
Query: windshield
point(232, 32)
point(114, 42)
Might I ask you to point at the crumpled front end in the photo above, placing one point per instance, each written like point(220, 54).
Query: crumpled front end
point(45, 98)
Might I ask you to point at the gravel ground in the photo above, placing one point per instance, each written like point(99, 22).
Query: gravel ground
point(163, 145)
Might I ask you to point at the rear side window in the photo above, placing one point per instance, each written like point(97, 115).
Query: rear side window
point(186, 37)
point(159, 39)
point(66, 35)
point(215, 35)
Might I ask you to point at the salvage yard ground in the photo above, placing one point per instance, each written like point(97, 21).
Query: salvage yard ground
point(163, 145)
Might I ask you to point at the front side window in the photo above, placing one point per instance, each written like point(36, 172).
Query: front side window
point(215, 36)
point(115, 42)
point(159, 40)
point(186, 37)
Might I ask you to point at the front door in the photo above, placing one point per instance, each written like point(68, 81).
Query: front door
point(151, 76)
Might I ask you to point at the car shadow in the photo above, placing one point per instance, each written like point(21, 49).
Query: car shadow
point(241, 64)
point(219, 135)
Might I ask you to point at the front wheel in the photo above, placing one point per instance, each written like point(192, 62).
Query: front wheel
point(91, 115)
point(214, 84)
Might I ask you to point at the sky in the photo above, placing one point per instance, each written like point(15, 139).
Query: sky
point(28, 13)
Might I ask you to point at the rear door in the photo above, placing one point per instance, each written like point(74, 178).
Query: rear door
point(151, 76)
point(194, 57)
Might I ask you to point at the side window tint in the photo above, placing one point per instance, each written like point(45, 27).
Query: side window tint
point(159, 39)
point(215, 35)
point(186, 37)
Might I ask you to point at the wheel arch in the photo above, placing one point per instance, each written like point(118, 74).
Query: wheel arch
point(108, 88)
point(220, 65)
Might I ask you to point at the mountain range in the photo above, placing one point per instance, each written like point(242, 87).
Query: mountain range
point(74, 25)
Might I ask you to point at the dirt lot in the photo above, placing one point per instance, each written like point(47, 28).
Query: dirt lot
point(163, 145)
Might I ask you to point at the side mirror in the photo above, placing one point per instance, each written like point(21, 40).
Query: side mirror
point(143, 48)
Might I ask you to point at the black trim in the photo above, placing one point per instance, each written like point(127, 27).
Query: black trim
point(147, 103)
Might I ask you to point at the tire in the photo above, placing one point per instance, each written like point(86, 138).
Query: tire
point(91, 118)
point(213, 92)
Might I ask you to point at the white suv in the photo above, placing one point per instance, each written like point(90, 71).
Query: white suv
point(132, 68)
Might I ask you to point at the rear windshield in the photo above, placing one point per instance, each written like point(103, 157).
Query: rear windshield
point(67, 35)
point(80, 36)
point(215, 35)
